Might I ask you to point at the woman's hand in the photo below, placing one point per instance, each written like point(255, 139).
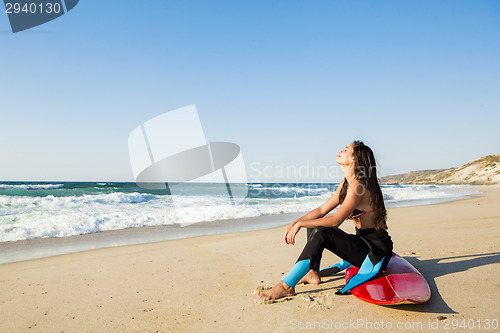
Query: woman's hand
point(290, 226)
point(292, 230)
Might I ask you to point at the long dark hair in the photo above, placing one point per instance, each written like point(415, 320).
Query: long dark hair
point(365, 171)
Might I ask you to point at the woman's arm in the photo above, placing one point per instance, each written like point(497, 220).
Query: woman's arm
point(322, 210)
point(353, 198)
point(325, 208)
point(316, 213)
point(351, 201)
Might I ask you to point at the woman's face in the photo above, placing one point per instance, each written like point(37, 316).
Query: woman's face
point(345, 156)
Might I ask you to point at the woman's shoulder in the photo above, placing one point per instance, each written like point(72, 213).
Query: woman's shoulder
point(358, 188)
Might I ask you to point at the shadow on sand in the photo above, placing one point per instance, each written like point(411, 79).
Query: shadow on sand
point(433, 268)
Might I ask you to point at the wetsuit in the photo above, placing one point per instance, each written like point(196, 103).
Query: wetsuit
point(369, 249)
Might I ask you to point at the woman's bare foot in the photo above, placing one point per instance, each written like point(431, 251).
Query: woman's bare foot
point(278, 291)
point(312, 277)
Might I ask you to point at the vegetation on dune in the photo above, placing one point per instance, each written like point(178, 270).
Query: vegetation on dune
point(484, 170)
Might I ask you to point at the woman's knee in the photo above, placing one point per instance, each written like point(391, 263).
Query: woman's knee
point(319, 232)
point(311, 232)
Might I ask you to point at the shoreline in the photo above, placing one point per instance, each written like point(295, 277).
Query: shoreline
point(206, 283)
point(30, 249)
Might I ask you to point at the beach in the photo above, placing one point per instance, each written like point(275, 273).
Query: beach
point(207, 283)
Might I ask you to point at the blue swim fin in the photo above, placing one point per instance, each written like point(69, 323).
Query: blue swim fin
point(338, 267)
point(366, 272)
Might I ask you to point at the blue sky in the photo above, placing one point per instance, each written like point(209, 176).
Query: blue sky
point(291, 82)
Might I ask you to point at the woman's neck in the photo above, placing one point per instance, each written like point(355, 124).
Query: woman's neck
point(348, 173)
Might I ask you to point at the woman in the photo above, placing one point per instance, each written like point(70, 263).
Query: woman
point(360, 199)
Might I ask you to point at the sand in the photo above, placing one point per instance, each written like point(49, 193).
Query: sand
point(207, 283)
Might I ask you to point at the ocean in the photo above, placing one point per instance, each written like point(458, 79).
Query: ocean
point(34, 210)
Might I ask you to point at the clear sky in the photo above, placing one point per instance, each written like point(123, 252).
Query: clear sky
point(291, 82)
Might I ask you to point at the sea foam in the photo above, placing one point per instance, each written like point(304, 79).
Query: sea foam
point(57, 210)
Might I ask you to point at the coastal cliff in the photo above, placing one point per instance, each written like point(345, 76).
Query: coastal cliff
point(482, 171)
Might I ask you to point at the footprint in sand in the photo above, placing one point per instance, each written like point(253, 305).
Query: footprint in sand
point(272, 301)
point(319, 300)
